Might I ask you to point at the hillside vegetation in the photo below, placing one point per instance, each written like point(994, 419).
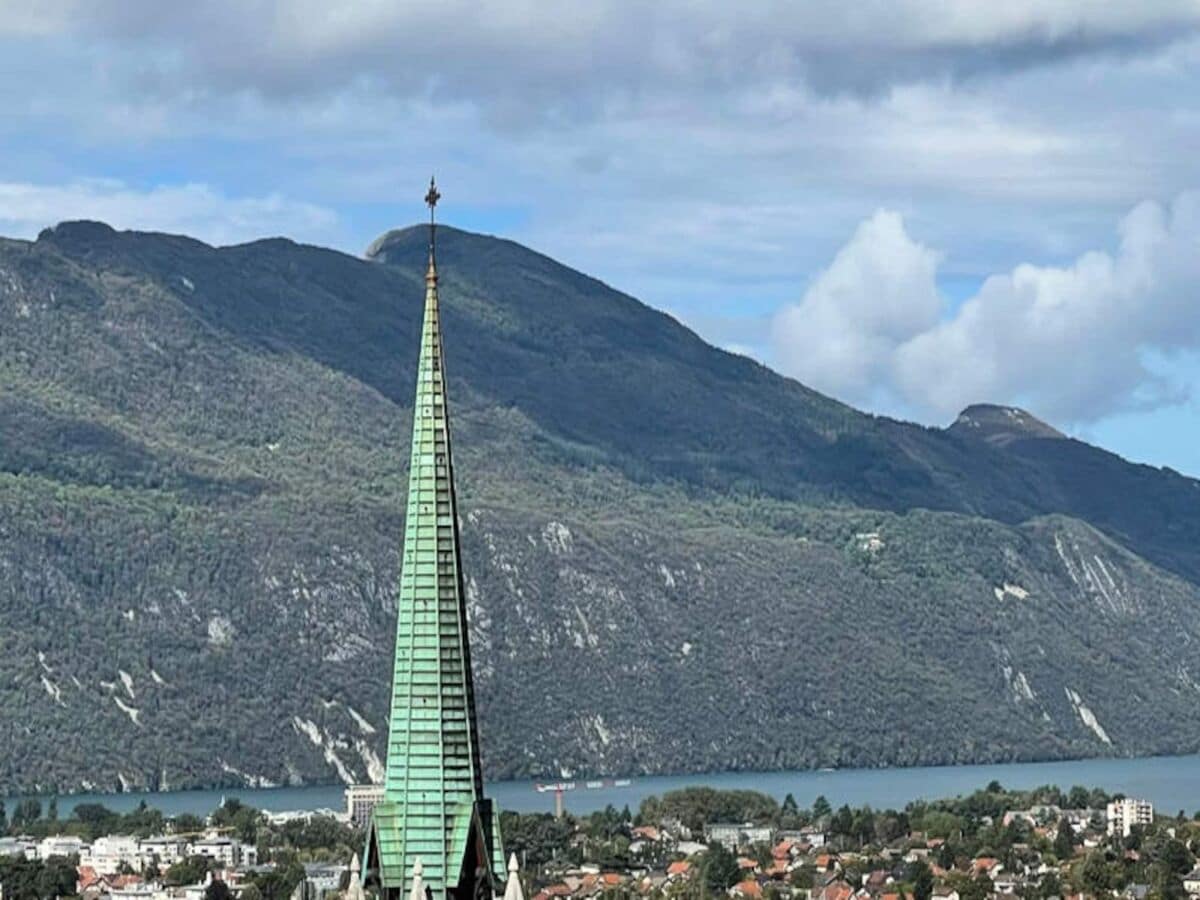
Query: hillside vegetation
point(677, 559)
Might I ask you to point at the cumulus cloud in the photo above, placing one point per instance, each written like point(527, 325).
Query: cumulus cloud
point(1071, 342)
point(193, 209)
point(876, 294)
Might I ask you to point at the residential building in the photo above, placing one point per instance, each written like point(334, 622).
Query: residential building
point(361, 800)
point(1191, 883)
point(162, 851)
point(226, 851)
point(1127, 814)
point(108, 853)
point(61, 845)
point(18, 846)
point(734, 835)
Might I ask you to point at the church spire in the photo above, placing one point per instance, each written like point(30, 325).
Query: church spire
point(434, 826)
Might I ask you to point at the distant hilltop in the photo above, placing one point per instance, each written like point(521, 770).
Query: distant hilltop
point(1001, 425)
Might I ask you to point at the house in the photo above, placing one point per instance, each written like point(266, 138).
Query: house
point(827, 862)
point(834, 890)
point(749, 888)
point(677, 871)
point(647, 833)
point(1191, 883)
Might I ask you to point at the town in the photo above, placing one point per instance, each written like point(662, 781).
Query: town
point(994, 844)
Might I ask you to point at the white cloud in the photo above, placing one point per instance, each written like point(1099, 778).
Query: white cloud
point(1073, 342)
point(878, 292)
point(193, 209)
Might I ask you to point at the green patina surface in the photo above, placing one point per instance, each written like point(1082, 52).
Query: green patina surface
point(434, 809)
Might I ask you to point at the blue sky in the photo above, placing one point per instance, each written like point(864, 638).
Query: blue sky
point(913, 207)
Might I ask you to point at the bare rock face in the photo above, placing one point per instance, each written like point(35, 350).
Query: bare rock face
point(676, 560)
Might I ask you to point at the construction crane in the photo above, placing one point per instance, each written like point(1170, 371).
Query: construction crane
point(558, 788)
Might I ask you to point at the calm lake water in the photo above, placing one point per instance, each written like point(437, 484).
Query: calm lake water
point(1171, 783)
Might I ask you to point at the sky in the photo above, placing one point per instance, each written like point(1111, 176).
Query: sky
point(909, 205)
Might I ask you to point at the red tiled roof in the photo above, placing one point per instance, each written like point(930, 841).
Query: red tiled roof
point(749, 888)
point(87, 877)
point(679, 868)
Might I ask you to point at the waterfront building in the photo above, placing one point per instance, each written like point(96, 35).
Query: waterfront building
point(361, 800)
point(1126, 814)
point(434, 834)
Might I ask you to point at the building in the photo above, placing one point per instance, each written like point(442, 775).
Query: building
point(360, 803)
point(162, 851)
point(61, 845)
point(226, 851)
point(18, 846)
point(434, 833)
point(1127, 814)
point(108, 853)
point(1191, 883)
point(734, 835)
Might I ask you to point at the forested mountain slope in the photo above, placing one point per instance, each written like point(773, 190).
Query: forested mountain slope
point(678, 559)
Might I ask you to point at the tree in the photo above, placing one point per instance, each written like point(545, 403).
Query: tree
point(3, 818)
point(789, 807)
point(721, 870)
point(1094, 874)
point(821, 808)
point(187, 871)
point(218, 890)
point(186, 822)
point(52, 810)
point(1064, 841)
point(921, 877)
point(1050, 886)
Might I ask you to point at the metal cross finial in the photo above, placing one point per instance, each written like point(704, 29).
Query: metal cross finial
point(431, 199)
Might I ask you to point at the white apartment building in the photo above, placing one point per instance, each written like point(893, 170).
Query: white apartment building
point(360, 802)
point(162, 851)
point(61, 845)
point(226, 851)
point(1125, 815)
point(108, 853)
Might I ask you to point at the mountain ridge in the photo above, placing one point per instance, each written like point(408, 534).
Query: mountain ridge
point(202, 466)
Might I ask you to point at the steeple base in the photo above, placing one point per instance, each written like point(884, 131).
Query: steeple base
point(462, 865)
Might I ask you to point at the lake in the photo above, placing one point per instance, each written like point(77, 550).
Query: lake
point(1171, 783)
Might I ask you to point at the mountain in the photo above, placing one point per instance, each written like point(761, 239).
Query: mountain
point(678, 560)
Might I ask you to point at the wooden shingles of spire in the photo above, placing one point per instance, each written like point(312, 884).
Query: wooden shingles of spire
point(433, 809)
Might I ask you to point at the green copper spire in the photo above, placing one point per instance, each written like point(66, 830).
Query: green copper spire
point(434, 818)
